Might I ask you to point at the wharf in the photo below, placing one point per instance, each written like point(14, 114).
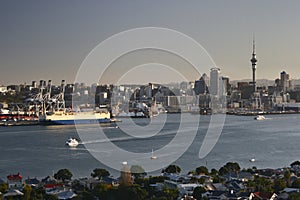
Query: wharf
point(254, 113)
point(20, 123)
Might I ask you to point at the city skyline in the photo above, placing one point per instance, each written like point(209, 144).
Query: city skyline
point(50, 40)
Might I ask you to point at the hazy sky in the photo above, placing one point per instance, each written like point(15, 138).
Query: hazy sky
point(50, 39)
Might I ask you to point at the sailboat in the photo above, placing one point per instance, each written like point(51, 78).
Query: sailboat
point(153, 157)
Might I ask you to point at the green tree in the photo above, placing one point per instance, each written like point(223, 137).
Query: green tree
point(51, 197)
point(202, 170)
point(99, 190)
point(287, 177)
point(229, 167)
point(261, 184)
point(233, 166)
point(171, 194)
point(3, 187)
point(63, 174)
point(198, 191)
point(279, 184)
point(134, 192)
point(100, 173)
point(172, 169)
point(137, 171)
point(294, 196)
point(213, 172)
point(37, 194)
point(296, 183)
point(223, 171)
point(295, 163)
point(27, 192)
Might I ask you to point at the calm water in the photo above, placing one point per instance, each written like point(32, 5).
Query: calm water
point(39, 150)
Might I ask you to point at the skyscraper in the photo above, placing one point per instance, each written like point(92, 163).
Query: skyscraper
point(214, 81)
point(284, 81)
point(201, 85)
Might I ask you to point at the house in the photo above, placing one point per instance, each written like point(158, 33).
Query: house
point(240, 176)
point(68, 194)
point(12, 193)
point(89, 183)
point(15, 181)
point(33, 182)
point(235, 185)
point(263, 196)
point(110, 181)
point(187, 188)
point(214, 195)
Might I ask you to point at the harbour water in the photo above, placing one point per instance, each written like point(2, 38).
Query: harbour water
point(38, 151)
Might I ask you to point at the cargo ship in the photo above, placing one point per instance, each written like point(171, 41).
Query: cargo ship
point(71, 118)
point(54, 112)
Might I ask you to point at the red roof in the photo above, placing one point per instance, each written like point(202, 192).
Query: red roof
point(14, 177)
point(53, 185)
point(263, 195)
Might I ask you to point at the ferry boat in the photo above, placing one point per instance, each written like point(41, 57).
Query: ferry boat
point(259, 117)
point(72, 142)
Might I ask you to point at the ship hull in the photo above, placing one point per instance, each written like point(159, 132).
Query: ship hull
point(78, 118)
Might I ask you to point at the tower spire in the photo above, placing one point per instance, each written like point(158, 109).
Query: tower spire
point(253, 44)
point(253, 62)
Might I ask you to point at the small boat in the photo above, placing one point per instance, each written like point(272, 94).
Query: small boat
point(259, 117)
point(153, 157)
point(72, 142)
point(252, 160)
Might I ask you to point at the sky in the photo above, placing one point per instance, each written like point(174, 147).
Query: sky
point(51, 39)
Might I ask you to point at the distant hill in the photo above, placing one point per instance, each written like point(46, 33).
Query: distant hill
point(264, 82)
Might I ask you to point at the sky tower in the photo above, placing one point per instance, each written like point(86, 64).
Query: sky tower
point(253, 61)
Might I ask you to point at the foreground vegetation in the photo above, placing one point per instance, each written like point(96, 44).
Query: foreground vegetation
point(135, 185)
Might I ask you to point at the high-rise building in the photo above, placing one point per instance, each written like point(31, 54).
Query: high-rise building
point(223, 85)
point(284, 81)
point(214, 81)
point(201, 85)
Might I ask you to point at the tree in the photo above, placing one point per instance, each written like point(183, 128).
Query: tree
point(296, 183)
point(63, 174)
point(223, 171)
point(229, 167)
point(214, 172)
point(137, 171)
point(51, 197)
point(27, 191)
point(100, 173)
point(232, 167)
point(99, 190)
point(198, 191)
point(287, 177)
point(172, 169)
point(202, 170)
point(279, 184)
point(294, 196)
point(3, 187)
point(295, 163)
point(133, 192)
